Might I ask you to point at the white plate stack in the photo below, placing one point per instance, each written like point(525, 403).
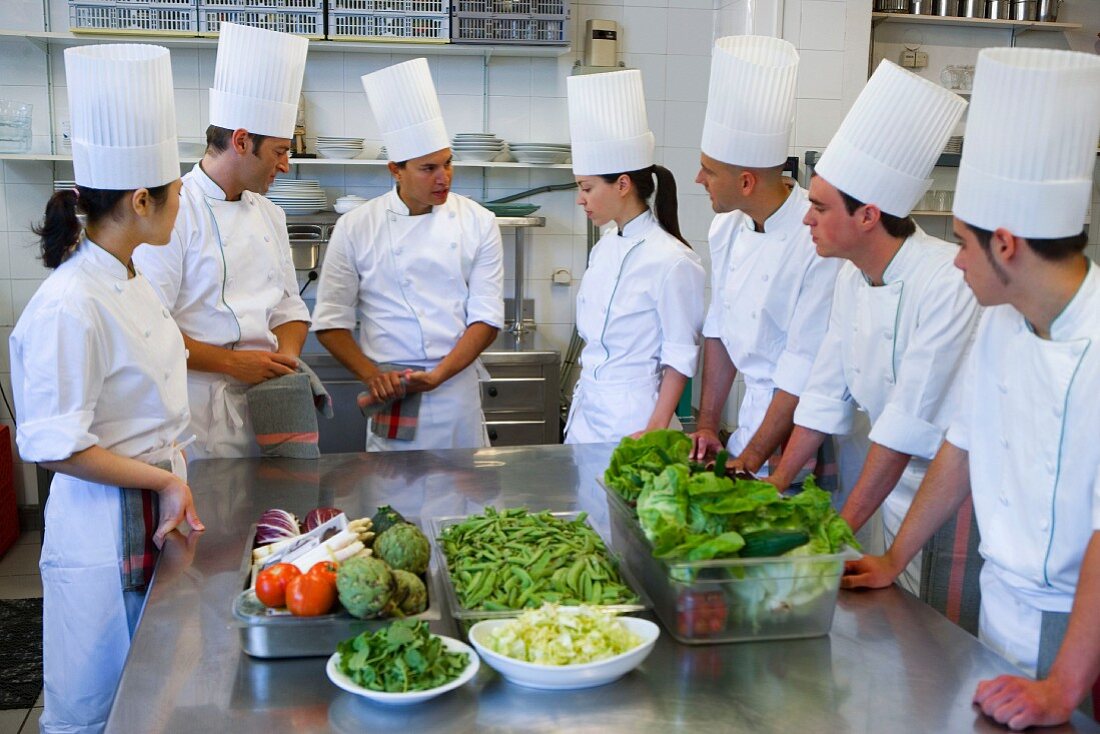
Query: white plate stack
point(382, 154)
point(540, 152)
point(62, 184)
point(329, 146)
point(476, 146)
point(954, 145)
point(298, 197)
point(345, 204)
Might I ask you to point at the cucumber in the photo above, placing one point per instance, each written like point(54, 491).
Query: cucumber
point(765, 543)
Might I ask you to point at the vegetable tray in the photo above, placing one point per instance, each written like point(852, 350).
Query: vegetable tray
point(467, 617)
point(272, 635)
point(731, 599)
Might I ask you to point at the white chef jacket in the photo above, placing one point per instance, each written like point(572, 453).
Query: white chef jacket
point(770, 300)
point(1028, 419)
point(892, 351)
point(228, 279)
point(96, 361)
point(414, 284)
point(639, 309)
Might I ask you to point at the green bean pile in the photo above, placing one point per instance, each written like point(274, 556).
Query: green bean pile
point(514, 559)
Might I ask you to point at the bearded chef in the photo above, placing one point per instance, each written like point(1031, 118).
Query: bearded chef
point(1023, 442)
point(770, 290)
point(99, 379)
point(227, 276)
point(640, 304)
point(419, 271)
point(902, 317)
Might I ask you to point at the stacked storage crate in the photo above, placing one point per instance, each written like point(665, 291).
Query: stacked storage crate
point(301, 17)
point(534, 22)
point(168, 17)
point(403, 21)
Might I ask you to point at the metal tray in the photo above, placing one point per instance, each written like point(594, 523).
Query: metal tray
point(467, 617)
point(267, 635)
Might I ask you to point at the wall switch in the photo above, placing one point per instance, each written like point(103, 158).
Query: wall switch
point(921, 59)
point(561, 276)
point(908, 59)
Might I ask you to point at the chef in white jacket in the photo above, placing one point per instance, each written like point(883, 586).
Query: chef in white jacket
point(227, 276)
point(770, 290)
point(640, 303)
point(98, 376)
point(902, 317)
point(1024, 440)
point(421, 270)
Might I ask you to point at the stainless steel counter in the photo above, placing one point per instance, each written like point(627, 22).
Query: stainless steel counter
point(891, 664)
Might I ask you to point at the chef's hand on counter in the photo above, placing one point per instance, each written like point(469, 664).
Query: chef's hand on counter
point(254, 367)
point(870, 572)
point(1019, 702)
point(176, 506)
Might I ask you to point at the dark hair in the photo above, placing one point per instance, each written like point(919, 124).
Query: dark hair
point(60, 229)
point(665, 186)
point(1051, 249)
point(218, 139)
point(894, 226)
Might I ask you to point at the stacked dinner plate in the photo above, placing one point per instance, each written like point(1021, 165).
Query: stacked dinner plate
point(297, 196)
point(335, 147)
point(476, 146)
point(62, 184)
point(345, 204)
point(954, 145)
point(540, 152)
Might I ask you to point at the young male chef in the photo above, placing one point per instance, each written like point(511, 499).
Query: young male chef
point(1023, 441)
point(902, 316)
point(771, 291)
point(227, 276)
point(421, 271)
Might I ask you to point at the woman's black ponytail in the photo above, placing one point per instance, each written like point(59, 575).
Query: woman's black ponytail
point(61, 227)
point(665, 207)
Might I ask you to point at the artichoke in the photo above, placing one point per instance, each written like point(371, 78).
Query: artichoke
point(365, 586)
point(385, 518)
point(411, 597)
point(403, 546)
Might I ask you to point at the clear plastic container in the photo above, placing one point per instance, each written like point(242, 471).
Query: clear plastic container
point(731, 599)
point(15, 126)
point(468, 617)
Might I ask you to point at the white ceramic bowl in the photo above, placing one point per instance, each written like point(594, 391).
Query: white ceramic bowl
point(564, 677)
point(475, 155)
point(342, 153)
point(404, 699)
point(343, 207)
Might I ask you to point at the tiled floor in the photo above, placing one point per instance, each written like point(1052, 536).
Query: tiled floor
point(19, 579)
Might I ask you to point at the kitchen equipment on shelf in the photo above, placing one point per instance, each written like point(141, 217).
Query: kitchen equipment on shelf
point(306, 243)
point(345, 204)
point(511, 210)
point(331, 146)
point(954, 145)
point(998, 9)
point(477, 147)
point(540, 152)
point(945, 7)
point(298, 196)
point(1024, 9)
point(1047, 10)
point(892, 6)
point(15, 126)
point(972, 8)
point(922, 7)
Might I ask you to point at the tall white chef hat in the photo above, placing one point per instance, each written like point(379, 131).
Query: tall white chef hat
point(1031, 142)
point(405, 105)
point(607, 123)
point(257, 80)
point(887, 145)
point(750, 106)
point(123, 116)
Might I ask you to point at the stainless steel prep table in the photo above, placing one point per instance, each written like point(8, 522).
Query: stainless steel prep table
point(891, 664)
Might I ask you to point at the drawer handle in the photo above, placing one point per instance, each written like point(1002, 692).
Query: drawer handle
point(492, 434)
point(492, 392)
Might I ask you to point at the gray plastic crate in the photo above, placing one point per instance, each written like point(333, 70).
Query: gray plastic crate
point(409, 7)
point(389, 27)
point(534, 22)
point(165, 17)
point(285, 19)
point(264, 5)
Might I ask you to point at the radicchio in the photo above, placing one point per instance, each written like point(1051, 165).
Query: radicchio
point(320, 516)
point(276, 525)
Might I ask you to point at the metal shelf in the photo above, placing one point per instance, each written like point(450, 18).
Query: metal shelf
point(46, 39)
point(308, 161)
point(1010, 25)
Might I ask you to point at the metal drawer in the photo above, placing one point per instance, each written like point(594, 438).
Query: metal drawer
point(516, 433)
point(513, 395)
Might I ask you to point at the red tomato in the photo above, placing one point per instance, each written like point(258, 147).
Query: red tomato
point(325, 569)
point(271, 583)
point(310, 595)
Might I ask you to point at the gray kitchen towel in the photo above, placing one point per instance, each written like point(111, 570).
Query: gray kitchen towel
point(284, 414)
point(396, 419)
point(140, 518)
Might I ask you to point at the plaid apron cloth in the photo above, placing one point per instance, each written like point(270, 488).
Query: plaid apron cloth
point(396, 419)
point(140, 517)
point(950, 567)
point(284, 414)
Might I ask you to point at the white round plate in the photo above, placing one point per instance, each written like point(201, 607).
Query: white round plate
point(539, 157)
point(404, 699)
point(339, 153)
point(476, 155)
point(565, 677)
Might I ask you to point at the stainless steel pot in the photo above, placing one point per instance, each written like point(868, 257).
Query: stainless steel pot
point(1047, 10)
point(921, 7)
point(892, 6)
point(945, 7)
point(998, 9)
point(972, 8)
point(306, 241)
point(1024, 9)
